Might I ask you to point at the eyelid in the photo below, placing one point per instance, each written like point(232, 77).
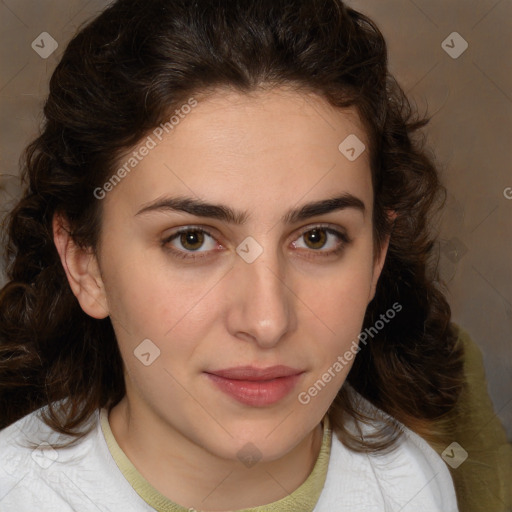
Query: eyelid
point(333, 229)
point(336, 230)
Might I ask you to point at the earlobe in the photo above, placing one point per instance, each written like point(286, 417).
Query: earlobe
point(82, 270)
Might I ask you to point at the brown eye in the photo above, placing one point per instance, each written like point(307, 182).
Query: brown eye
point(322, 241)
point(191, 243)
point(316, 238)
point(192, 240)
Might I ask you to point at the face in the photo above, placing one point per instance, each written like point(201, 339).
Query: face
point(230, 305)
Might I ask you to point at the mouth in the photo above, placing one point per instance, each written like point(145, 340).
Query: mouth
point(256, 387)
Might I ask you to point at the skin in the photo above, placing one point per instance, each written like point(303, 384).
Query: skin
point(262, 153)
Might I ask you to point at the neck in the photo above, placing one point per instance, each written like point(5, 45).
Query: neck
point(201, 480)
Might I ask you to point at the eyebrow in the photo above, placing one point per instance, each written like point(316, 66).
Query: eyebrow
point(225, 213)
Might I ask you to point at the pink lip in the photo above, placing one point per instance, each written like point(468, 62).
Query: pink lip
point(257, 387)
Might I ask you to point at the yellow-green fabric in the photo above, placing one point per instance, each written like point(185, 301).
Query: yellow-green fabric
point(303, 499)
point(483, 482)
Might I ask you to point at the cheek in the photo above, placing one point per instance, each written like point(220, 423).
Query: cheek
point(153, 296)
point(174, 310)
point(339, 309)
point(338, 301)
point(342, 295)
point(338, 313)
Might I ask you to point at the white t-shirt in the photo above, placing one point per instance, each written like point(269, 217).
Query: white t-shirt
point(85, 477)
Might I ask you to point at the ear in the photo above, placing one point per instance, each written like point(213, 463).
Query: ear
point(82, 270)
point(378, 264)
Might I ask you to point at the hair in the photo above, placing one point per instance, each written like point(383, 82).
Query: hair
point(119, 78)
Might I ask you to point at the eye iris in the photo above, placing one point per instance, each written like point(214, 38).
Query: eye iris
point(192, 238)
point(317, 237)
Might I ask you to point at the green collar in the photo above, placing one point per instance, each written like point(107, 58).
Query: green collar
point(303, 499)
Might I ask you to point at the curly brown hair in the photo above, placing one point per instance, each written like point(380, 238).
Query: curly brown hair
point(119, 78)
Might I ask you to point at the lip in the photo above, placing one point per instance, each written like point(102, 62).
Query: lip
point(257, 387)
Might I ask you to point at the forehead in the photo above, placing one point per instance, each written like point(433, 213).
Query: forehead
point(269, 147)
point(271, 119)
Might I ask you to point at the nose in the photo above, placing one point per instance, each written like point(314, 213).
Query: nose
point(262, 302)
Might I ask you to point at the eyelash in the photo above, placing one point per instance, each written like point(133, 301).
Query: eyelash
point(188, 255)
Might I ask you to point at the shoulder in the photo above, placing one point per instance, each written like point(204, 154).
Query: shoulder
point(37, 472)
point(410, 477)
point(24, 444)
point(480, 433)
point(29, 461)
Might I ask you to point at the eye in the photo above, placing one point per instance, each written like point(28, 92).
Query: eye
point(189, 240)
point(194, 243)
point(323, 237)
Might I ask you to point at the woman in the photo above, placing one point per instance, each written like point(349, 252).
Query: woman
point(220, 295)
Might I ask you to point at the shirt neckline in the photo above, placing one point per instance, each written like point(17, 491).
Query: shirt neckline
point(303, 499)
